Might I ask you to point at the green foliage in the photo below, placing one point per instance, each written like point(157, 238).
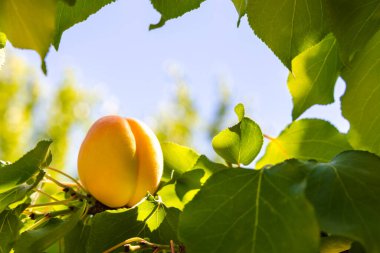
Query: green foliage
point(69, 15)
point(305, 139)
point(346, 196)
point(21, 171)
point(315, 72)
point(305, 182)
point(170, 9)
point(18, 21)
point(37, 240)
point(287, 27)
point(240, 210)
point(361, 101)
point(353, 23)
point(240, 143)
point(9, 230)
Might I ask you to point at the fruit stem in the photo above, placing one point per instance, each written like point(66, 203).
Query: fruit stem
point(69, 177)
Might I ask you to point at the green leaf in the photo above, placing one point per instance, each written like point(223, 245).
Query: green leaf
point(177, 159)
point(76, 240)
point(315, 72)
point(151, 212)
point(29, 24)
point(305, 139)
point(240, 111)
point(188, 181)
point(346, 196)
point(18, 193)
point(39, 239)
point(353, 23)
point(241, 7)
point(287, 27)
point(242, 210)
point(361, 101)
point(170, 9)
point(169, 227)
point(26, 167)
point(113, 227)
point(13, 195)
point(240, 143)
point(9, 230)
point(67, 15)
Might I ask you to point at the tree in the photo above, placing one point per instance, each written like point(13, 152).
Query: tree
point(313, 181)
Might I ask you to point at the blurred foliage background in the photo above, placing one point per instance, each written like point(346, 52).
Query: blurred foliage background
point(31, 111)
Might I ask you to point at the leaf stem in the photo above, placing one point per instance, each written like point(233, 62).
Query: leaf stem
point(61, 202)
point(69, 177)
point(46, 194)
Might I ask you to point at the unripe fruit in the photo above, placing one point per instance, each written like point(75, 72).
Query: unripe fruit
point(119, 161)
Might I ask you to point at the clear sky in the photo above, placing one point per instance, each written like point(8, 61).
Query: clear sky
point(114, 49)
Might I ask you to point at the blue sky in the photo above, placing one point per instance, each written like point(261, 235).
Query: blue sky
point(114, 49)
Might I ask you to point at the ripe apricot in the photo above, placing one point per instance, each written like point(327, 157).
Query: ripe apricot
point(119, 161)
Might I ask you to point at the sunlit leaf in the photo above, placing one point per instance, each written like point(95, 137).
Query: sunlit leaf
point(361, 101)
point(177, 159)
point(240, 143)
point(242, 210)
point(287, 27)
point(315, 72)
point(29, 24)
point(346, 196)
point(113, 227)
point(305, 139)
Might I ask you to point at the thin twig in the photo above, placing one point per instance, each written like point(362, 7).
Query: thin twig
point(172, 246)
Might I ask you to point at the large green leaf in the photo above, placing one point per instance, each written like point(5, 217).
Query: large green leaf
point(9, 230)
point(29, 24)
point(287, 27)
point(26, 167)
point(305, 139)
point(353, 23)
point(241, 210)
point(39, 239)
point(240, 143)
point(361, 101)
point(68, 16)
point(113, 227)
point(170, 9)
point(76, 240)
point(19, 193)
point(315, 72)
point(346, 196)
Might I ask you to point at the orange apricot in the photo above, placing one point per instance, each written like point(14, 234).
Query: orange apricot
point(119, 161)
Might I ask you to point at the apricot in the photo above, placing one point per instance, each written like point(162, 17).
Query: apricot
point(119, 161)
